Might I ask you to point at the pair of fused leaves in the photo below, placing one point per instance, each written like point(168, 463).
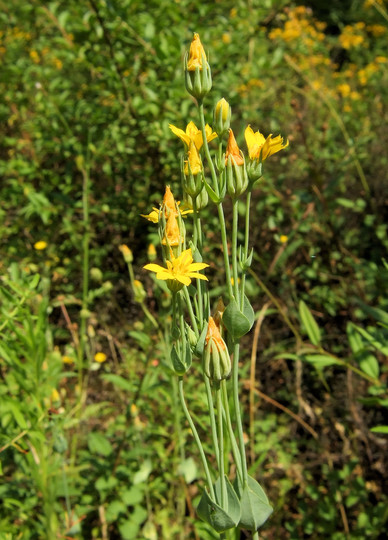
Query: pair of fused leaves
point(246, 506)
point(237, 322)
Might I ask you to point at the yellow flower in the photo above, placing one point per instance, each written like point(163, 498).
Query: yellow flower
point(283, 238)
point(196, 54)
point(169, 208)
point(41, 245)
point(259, 146)
point(193, 134)
point(55, 395)
point(152, 216)
point(100, 357)
point(344, 89)
point(180, 270)
point(194, 161)
point(67, 360)
point(233, 150)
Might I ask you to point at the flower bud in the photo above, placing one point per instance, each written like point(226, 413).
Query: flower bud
point(127, 253)
point(216, 360)
point(221, 117)
point(138, 291)
point(198, 76)
point(172, 235)
point(235, 171)
point(151, 252)
point(192, 177)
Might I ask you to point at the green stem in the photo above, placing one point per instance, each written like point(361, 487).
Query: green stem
point(196, 437)
point(190, 310)
point(235, 449)
point(225, 249)
point(221, 462)
point(206, 147)
point(85, 270)
point(237, 411)
point(210, 405)
point(234, 249)
point(246, 245)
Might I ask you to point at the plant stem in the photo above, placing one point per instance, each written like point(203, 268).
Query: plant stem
point(246, 245)
point(235, 449)
point(196, 437)
point(210, 405)
point(221, 463)
point(225, 249)
point(237, 411)
point(234, 249)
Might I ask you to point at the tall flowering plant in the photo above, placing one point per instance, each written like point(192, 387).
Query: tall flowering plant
point(211, 337)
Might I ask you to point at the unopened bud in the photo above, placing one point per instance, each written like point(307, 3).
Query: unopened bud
point(221, 117)
point(127, 253)
point(216, 360)
point(198, 76)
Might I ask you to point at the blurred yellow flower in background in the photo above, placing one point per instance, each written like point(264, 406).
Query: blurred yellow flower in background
point(100, 357)
point(40, 245)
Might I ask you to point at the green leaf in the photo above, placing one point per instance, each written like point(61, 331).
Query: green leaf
point(181, 363)
point(354, 338)
point(235, 321)
point(255, 508)
point(221, 519)
point(212, 194)
point(143, 473)
point(133, 495)
point(188, 468)
point(321, 361)
point(201, 342)
point(380, 429)
point(248, 311)
point(372, 340)
point(118, 381)
point(309, 324)
point(99, 444)
point(370, 365)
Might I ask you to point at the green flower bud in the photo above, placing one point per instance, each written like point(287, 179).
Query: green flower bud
point(221, 117)
point(216, 360)
point(236, 178)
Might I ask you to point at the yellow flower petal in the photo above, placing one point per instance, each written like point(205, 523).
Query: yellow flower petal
point(181, 134)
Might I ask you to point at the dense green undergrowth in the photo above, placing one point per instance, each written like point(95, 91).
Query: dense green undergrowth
point(94, 446)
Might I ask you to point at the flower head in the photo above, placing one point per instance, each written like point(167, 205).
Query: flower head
point(193, 134)
point(259, 146)
point(40, 245)
point(233, 150)
point(195, 54)
point(100, 357)
point(180, 270)
point(169, 205)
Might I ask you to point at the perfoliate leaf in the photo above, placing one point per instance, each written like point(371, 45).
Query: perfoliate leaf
point(255, 508)
point(221, 519)
point(235, 321)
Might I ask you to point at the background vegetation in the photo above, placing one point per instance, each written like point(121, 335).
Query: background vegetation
point(92, 442)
